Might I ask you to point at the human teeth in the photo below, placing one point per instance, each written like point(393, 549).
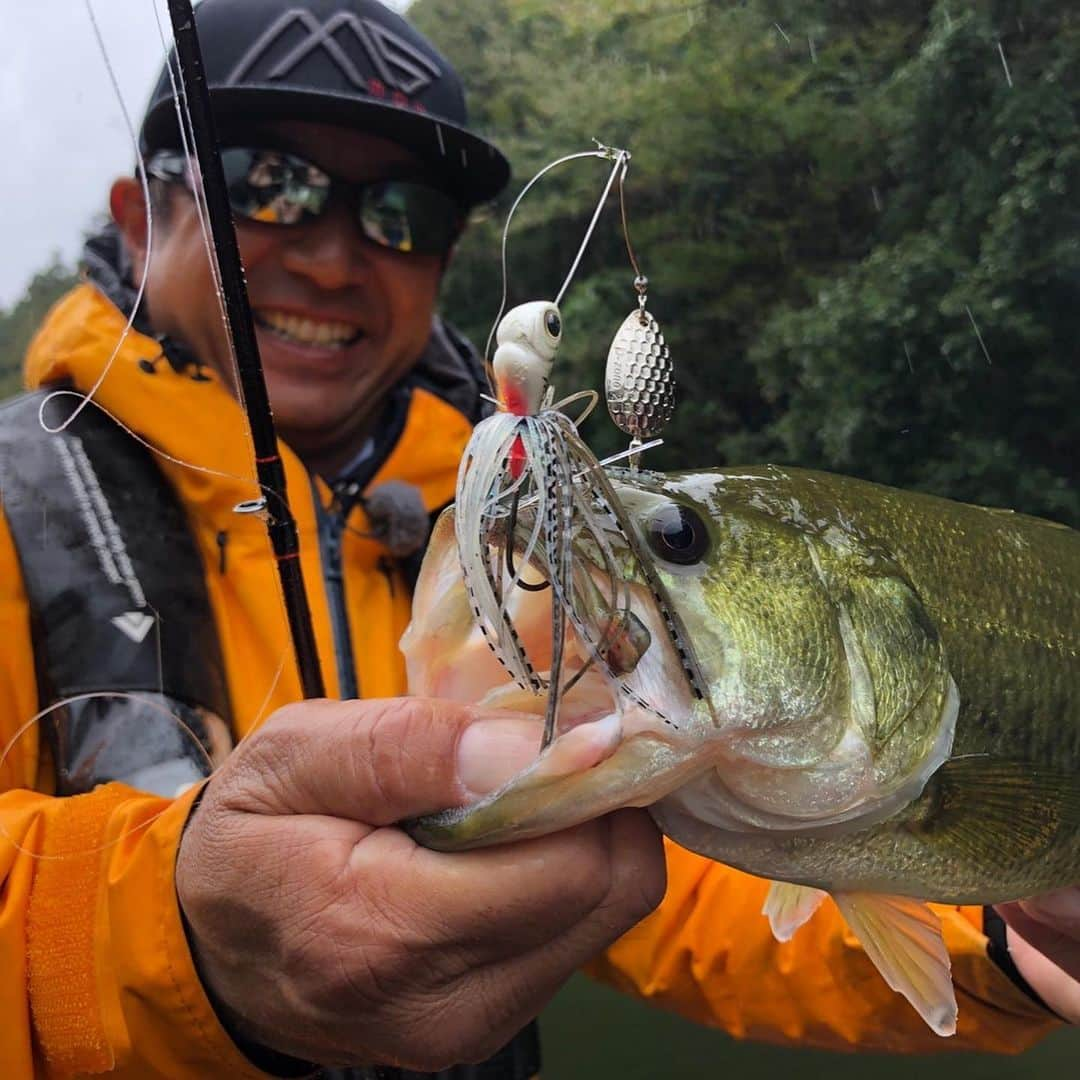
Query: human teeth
point(308, 331)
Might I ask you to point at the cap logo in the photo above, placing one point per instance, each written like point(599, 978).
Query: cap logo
point(397, 62)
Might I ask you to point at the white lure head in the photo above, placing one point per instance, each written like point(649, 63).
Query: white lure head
point(528, 338)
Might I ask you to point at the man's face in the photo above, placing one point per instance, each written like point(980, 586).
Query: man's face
point(339, 319)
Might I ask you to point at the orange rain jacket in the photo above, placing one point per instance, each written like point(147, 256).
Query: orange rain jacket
point(95, 973)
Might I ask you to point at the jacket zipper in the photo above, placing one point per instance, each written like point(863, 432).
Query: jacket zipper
point(331, 532)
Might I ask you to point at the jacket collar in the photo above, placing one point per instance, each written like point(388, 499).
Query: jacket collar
point(186, 413)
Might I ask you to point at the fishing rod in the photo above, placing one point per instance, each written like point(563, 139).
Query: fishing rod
point(269, 468)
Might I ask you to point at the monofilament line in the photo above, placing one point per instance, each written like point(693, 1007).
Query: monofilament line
point(86, 398)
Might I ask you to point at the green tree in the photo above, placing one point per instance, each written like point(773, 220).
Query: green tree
point(19, 323)
point(858, 218)
point(947, 354)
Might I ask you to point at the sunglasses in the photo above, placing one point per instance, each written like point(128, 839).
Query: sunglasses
point(277, 188)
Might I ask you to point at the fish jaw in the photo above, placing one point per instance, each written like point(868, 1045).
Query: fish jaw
point(826, 674)
point(563, 787)
point(789, 736)
point(615, 745)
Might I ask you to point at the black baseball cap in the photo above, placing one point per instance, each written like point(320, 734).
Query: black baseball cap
point(348, 62)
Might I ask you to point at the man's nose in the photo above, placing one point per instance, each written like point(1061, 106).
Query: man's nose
point(330, 251)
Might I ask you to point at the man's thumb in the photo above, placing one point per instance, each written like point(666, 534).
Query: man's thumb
point(379, 761)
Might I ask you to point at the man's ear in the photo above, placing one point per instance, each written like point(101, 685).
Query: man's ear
point(128, 208)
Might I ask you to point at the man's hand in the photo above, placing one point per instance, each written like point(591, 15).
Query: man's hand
point(1044, 942)
point(329, 935)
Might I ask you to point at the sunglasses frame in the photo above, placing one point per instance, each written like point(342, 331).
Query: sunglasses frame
point(172, 166)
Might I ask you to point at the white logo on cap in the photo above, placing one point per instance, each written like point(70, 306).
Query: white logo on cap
point(399, 64)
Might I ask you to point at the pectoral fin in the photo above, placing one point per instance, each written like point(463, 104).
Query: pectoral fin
point(789, 906)
point(903, 938)
point(974, 805)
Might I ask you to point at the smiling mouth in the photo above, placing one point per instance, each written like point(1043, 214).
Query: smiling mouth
point(301, 330)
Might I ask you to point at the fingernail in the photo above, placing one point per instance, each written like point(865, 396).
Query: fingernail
point(495, 749)
point(583, 747)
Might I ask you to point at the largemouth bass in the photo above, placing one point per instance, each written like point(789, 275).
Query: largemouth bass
point(891, 708)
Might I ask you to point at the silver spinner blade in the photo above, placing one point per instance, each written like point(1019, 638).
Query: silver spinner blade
point(639, 384)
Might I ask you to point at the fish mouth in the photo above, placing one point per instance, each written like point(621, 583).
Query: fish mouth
point(627, 729)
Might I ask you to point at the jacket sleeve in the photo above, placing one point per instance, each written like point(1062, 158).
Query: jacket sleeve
point(95, 972)
point(707, 953)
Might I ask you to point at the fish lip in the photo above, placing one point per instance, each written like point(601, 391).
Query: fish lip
point(523, 809)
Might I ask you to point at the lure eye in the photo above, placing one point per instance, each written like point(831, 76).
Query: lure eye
point(552, 323)
point(677, 535)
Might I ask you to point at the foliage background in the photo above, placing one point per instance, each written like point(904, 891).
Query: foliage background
point(18, 323)
point(834, 201)
point(861, 222)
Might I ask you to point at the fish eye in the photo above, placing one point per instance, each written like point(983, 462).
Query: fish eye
point(552, 323)
point(677, 534)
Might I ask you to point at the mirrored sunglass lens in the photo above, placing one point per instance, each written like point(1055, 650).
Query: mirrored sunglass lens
point(272, 187)
point(409, 217)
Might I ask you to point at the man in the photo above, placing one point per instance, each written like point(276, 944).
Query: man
point(274, 917)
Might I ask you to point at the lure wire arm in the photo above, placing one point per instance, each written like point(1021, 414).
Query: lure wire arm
point(553, 471)
point(605, 153)
point(622, 163)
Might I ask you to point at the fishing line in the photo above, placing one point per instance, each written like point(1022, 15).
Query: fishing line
point(97, 695)
point(87, 398)
point(270, 468)
point(184, 126)
point(103, 51)
point(260, 712)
